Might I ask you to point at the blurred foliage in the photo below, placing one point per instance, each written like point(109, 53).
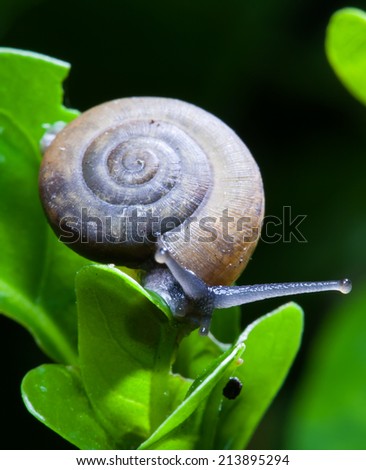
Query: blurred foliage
point(346, 48)
point(330, 411)
point(261, 67)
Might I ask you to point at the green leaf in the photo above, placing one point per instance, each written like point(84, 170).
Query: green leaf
point(193, 423)
point(271, 343)
point(126, 348)
point(31, 91)
point(330, 411)
point(196, 352)
point(346, 49)
point(205, 420)
point(225, 325)
point(36, 271)
point(54, 394)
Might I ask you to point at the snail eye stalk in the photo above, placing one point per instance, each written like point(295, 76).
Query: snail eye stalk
point(226, 297)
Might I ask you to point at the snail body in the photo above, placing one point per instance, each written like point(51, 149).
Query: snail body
point(140, 182)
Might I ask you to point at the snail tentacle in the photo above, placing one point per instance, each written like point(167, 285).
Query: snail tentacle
point(226, 297)
point(198, 301)
point(192, 285)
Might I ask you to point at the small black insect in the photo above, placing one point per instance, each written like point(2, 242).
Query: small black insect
point(232, 388)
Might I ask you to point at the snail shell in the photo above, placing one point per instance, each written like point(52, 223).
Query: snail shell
point(135, 173)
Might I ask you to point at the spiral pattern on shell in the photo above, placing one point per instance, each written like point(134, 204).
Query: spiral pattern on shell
point(136, 172)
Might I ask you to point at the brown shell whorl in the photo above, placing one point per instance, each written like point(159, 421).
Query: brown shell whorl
point(133, 171)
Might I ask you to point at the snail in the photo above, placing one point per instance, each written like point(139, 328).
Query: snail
point(164, 186)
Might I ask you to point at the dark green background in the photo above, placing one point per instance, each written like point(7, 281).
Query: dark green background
point(259, 66)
